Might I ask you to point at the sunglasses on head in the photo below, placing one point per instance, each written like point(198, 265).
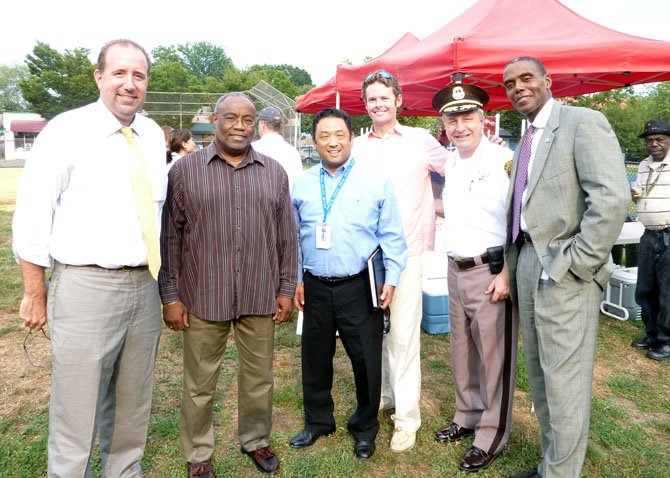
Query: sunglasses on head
point(378, 73)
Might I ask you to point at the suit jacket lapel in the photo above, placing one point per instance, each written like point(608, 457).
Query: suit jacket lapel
point(542, 152)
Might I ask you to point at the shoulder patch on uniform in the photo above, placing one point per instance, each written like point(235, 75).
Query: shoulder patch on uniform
point(508, 168)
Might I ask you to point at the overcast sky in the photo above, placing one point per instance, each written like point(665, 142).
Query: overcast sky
point(312, 34)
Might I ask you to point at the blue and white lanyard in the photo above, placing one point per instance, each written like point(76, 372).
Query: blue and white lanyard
point(328, 204)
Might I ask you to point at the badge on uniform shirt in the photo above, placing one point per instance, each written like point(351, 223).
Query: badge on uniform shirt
point(324, 236)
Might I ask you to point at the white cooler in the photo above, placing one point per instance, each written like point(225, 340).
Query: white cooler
point(619, 295)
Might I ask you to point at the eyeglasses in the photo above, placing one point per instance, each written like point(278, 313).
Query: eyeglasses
point(378, 74)
point(231, 120)
point(28, 345)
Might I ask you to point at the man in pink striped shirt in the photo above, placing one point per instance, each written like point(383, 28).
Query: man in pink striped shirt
point(407, 155)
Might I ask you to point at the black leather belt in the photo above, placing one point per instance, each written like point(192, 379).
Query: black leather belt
point(337, 280)
point(523, 238)
point(464, 263)
point(659, 231)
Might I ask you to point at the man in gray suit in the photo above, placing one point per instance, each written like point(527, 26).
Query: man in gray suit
point(568, 202)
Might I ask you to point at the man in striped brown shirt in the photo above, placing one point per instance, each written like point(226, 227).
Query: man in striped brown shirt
point(229, 253)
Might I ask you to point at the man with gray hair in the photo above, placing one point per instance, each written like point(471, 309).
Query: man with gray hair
point(92, 212)
point(271, 143)
point(484, 325)
point(229, 252)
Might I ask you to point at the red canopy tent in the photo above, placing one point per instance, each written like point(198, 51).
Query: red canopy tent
point(325, 96)
point(581, 56)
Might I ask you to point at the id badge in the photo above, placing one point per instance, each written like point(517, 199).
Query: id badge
point(323, 236)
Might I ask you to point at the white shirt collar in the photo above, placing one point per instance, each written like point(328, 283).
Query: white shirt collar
point(542, 117)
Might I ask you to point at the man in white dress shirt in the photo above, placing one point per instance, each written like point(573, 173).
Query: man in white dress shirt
point(484, 325)
point(273, 145)
point(78, 211)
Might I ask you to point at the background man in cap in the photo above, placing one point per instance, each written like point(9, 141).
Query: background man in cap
point(484, 327)
point(407, 155)
point(566, 208)
point(272, 144)
point(652, 194)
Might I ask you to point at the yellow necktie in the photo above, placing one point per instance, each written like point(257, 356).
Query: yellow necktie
point(144, 202)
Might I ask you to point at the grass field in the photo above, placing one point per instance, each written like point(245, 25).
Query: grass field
point(630, 426)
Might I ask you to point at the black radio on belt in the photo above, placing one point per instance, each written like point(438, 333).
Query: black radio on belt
point(496, 258)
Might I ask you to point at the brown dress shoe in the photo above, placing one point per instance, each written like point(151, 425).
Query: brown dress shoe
point(476, 459)
point(452, 432)
point(201, 469)
point(265, 459)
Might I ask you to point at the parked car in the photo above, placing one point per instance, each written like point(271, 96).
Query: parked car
point(308, 155)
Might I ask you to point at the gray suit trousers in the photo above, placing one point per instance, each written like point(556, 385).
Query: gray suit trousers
point(105, 327)
point(559, 324)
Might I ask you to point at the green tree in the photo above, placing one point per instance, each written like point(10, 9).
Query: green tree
point(11, 98)
point(659, 101)
point(201, 59)
point(172, 76)
point(278, 77)
point(58, 81)
point(625, 112)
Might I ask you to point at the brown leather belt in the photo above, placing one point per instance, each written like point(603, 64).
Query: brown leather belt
point(464, 263)
point(117, 269)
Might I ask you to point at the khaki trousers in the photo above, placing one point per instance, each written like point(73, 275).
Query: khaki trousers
point(204, 347)
point(401, 361)
point(105, 327)
point(483, 342)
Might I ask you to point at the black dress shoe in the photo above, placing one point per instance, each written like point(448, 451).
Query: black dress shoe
point(476, 459)
point(265, 459)
point(306, 438)
point(645, 342)
point(660, 352)
point(528, 474)
point(364, 449)
point(452, 432)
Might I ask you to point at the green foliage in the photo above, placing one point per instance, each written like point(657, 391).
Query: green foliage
point(58, 81)
point(201, 59)
point(172, 76)
point(11, 98)
point(429, 123)
point(625, 112)
point(511, 121)
point(659, 101)
point(203, 67)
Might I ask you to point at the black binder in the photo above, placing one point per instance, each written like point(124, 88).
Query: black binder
point(376, 275)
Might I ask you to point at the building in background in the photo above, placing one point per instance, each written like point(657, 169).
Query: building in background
point(17, 134)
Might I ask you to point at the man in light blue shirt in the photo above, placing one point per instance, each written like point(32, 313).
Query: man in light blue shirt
point(344, 211)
